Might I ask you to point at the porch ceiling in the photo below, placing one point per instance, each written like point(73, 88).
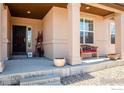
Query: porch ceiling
point(119, 6)
point(39, 10)
point(94, 10)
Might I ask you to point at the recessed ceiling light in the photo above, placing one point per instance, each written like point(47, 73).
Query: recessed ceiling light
point(87, 7)
point(28, 12)
point(112, 18)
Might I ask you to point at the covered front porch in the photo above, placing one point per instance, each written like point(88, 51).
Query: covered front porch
point(64, 42)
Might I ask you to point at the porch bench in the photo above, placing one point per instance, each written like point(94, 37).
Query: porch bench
point(88, 50)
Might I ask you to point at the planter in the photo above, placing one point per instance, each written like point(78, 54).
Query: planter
point(114, 56)
point(29, 55)
point(59, 62)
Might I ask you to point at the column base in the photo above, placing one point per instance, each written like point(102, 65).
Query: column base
point(74, 61)
point(2, 66)
point(122, 55)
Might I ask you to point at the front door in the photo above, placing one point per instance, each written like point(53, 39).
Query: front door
point(19, 40)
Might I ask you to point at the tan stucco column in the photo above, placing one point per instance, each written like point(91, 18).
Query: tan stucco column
point(119, 37)
point(74, 33)
point(4, 29)
point(1, 41)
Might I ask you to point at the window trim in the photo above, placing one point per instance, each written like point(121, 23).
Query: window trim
point(84, 18)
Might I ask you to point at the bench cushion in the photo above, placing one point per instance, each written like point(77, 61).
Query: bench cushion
point(88, 51)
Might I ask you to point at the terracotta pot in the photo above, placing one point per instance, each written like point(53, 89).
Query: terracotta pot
point(59, 62)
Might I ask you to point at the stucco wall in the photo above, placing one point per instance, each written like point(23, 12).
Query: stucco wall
point(55, 29)
point(1, 39)
point(36, 25)
point(48, 34)
point(60, 36)
point(55, 33)
point(4, 33)
point(110, 47)
point(6, 26)
point(9, 32)
point(1, 31)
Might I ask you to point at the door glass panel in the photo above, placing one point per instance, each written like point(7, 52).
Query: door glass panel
point(112, 38)
point(113, 30)
point(29, 37)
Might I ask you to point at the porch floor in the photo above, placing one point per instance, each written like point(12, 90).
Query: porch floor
point(28, 65)
point(43, 65)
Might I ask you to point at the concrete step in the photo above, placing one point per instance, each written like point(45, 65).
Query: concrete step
point(14, 57)
point(7, 82)
point(50, 79)
point(55, 83)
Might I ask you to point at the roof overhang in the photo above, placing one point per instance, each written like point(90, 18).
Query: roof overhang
point(39, 10)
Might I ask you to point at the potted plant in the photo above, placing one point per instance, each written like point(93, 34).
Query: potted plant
point(59, 62)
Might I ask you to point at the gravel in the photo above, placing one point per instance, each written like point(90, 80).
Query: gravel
point(111, 76)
